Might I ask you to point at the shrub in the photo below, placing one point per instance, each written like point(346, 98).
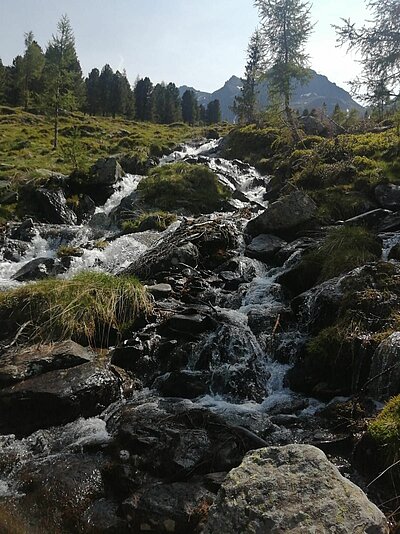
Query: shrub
point(181, 185)
point(89, 308)
point(154, 220)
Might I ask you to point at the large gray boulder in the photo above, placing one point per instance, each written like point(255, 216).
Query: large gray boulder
point(18, 364)
point(47, 205)
point(56, 398)
point(384, 376)
point(106, 171)
point(292, 489)
point(285, 217)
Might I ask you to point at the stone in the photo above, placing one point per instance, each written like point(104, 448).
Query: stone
point(384, 375)
point(65, 484)
point(192, 324)
point(178, 508)
point(56, 397)
point(38, 269)
point(394, 253)
point(24, 231)
point(106, 171)
point(388, 196)
point(291, 489)
point(48, 206)
point(160, 290)
point(22, 363)
point(186, 384)
point(85, 208)
point(264, 247)
point(285, 217)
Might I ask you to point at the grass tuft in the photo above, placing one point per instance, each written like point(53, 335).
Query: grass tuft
point(89, 308)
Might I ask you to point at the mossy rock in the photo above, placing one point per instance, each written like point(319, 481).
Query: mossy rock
point(194, 188)
point(154, 220)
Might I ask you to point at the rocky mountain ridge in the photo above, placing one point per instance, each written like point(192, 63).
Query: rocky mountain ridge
point(313, 94)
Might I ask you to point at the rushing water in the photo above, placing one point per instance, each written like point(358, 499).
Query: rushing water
point(261, 294)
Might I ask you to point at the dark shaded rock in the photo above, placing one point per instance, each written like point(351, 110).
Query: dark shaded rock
point(285, 217)
point(14, 250)
point(49, 206)
point(388, 196)
point(22, 363)
point(185, 384)
point(390, 223)
point(203, 242)
point(394, 253)
point(178, 507)
point(384, 376)
point(311, 488)
point(85, 208)
point(38, 269)
point(370, 219)
point(101, 517)
point(134, 165)
point(67, 485)
point(24, 231)
point(264, 247)
point(191, 324)
point(295, 247)
point(106, 171)
point(56, 397)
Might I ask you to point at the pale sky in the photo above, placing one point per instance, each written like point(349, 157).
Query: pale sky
point(200, 43)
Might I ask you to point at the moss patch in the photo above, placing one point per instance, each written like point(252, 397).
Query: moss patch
point(194, 188)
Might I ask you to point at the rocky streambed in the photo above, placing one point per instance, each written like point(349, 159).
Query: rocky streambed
point(207, 417)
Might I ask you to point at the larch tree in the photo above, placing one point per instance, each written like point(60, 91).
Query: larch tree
point(285, 27)
point(378, 43)
point(245, 105)
point(62, 74)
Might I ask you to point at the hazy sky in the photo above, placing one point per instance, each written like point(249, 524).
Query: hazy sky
point(200, 43)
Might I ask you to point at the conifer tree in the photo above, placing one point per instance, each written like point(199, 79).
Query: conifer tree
point(62, 75)
point(92, 84)
point(285, 28)
point(245, 105)
point(378, 44)
point(190, 107)
point(143, 99)
point(213, 112)
point(32, 67)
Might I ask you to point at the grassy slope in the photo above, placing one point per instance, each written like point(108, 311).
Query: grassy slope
point(26, 141)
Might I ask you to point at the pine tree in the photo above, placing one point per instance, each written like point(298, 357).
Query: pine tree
point(14, 82)
point(190, 108)
point(159, 97)
point(62, 74)
point(173, 104)
point(202, 114)
point(245, 105)
point(285, 28)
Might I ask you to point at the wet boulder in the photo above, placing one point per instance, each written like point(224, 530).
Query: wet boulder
point(24, 231)
point(185, 384)
point(65, 484)
point(38, 269)
point(394, 253)
point(84, 208)
point(291, 489)
point(178, 507)
point(48, 206)
point(384, 376)
point(286, 217)
point(18, 364)
point(264, 247)
point(106, 171)
point(56, 397)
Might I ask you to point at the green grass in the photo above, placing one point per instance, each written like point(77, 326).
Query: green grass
point(194, 188)
point(343, 249)
point(26, 141)
point(67, 251)
point(89, 308)
point(153, 220)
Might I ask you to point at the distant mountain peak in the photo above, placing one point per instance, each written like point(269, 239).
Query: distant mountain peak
point(317, 91)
